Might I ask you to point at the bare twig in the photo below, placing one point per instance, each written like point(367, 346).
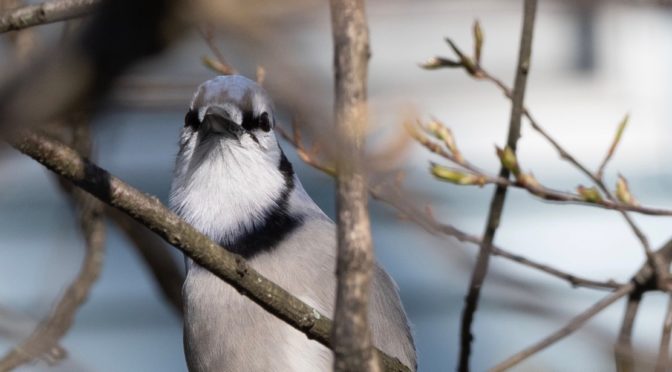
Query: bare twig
point(219, 64)
point(472, 175)
point(664, 354)
point(457, 177)
point(149, 211)
point(497, 204)
point(156, 257)
point(576, 323)
point(308, 156)
point(573, 280)
point(645, 279)
point(47, 12)
point(623, 352)
point(352, 343)
point(612, 149)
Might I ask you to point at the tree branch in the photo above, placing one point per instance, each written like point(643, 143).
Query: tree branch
point(352, 343)
point(572, 326)
point(149, 211)
point(644, 280)
point(44, 13)
point(664, 354)
point(497, 204)
point(623, 352)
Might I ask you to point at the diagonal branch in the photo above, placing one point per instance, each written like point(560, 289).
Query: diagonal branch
point(576, 323)
point(44, 13)
point(644, 280)
point(497, 204)
point(149, 211)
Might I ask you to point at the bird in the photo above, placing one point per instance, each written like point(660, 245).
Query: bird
point(233, 183)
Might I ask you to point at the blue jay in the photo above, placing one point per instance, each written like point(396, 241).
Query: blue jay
point(233, 182)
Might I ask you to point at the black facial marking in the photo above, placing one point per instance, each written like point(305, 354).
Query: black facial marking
point(251, 123)
point(248, 121)
point(191, 120)
point(275, 225)
point(264, 122)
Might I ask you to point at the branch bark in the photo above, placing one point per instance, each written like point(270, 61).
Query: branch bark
point(664, 354)
point(497, 204)
point(149, 211)
point(47, 12)
point(576, 323)
point(352, 342)
point(644, 280)
point(623, 352)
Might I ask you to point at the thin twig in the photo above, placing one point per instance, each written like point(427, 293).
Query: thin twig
point(623, 351)
point(664, 353)
point(307, 156)
point(643, 280)
point(576, 323)
point(612, 149)
point(47, 12)
point(497, 204)
point(220, 65)
point(472, 175)
point(149, 211)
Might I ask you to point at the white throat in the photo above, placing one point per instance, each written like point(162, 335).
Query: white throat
point(224, 189)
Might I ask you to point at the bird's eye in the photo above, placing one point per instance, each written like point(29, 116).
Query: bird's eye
point(264, 122)
point(191, 120)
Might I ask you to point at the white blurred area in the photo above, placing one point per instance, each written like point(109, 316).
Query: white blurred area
point(593, 62)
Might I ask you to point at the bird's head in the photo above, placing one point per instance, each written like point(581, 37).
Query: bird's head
point(230, 171)
point(231, 111)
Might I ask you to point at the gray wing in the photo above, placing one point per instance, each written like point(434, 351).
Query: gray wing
point(389, 325)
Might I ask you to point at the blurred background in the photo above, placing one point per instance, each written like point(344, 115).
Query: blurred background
point(592, 63)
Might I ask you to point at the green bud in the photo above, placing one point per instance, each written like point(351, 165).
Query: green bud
point(478, 41)
point(508, 159)
point(455, 176)
point(623, 192)
point(589, 194)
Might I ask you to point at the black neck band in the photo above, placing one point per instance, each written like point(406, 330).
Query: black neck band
point(275, 225)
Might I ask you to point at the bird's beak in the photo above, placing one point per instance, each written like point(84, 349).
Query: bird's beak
point(217, 120)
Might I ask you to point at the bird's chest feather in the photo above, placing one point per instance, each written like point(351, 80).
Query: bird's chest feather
point(227, 193)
